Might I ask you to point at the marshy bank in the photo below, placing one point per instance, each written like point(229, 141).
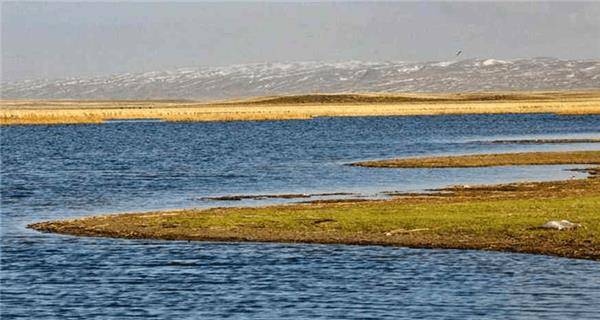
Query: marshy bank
point(488, 160)
point(496, 217)
point(26, 112)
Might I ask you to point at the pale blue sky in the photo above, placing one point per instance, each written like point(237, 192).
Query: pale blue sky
point(56, 40)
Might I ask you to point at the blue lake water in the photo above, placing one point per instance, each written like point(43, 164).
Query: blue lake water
point(54, 172)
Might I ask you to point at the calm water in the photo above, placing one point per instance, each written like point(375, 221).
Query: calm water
point(52, 172)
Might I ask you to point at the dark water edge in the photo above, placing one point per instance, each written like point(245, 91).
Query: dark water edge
point(152, 279)
point(55, 172)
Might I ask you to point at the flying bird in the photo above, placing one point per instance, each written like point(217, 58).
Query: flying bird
point(458, 53)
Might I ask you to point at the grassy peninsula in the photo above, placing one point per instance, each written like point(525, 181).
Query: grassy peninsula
point(489, 160)
point(15, 112)
point(497, 217)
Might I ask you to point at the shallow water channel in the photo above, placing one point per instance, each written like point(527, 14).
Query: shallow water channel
point(62, 171)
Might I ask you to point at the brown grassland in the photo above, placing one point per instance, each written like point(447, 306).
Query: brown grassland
point(489, 160)
point(13, 112)
point(496, 217)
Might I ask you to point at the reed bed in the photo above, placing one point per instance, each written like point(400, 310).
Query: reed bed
point(13, 112)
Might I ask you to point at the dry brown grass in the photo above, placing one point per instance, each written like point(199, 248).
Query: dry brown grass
point(489, 160)
point(298, 107)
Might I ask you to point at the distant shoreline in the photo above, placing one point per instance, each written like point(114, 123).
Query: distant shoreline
point(42, 112)
point(489, 217)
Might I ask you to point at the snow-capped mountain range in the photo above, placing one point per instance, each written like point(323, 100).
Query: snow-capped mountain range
point(262, 79)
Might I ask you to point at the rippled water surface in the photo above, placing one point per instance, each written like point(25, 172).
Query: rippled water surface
point(53, 172)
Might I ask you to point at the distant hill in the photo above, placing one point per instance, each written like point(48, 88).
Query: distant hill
point(268, 79)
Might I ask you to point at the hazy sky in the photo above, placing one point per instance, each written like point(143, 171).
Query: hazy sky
point(55, 40)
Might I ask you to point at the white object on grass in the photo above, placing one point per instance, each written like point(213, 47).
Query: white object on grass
point(560, 225)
